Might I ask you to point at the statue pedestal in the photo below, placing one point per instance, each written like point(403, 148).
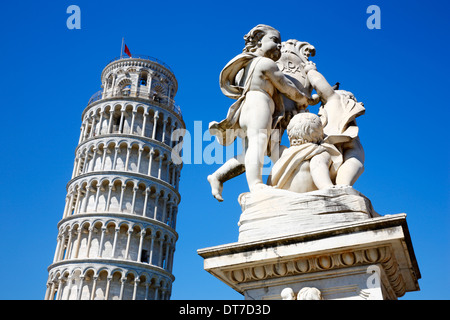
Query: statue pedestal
point(371, 258)
point(275, 212)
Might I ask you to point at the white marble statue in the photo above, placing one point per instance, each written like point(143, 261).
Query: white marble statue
point(338, 113)
point(301, 168)
point(255, 81)
point(309, 293)
point(306, 293)
point(308, 164)
point(287, 294)
point(270, 87)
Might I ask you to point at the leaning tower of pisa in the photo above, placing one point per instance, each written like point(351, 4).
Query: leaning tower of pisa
point(117, 235)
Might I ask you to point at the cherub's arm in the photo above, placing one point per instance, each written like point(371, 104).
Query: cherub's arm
point(283, 84)
point(320, 170)
point(320, 84)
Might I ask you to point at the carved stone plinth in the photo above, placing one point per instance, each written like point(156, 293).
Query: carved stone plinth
point(367, 259)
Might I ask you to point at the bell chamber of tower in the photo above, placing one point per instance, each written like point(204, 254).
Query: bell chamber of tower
point(117, 236)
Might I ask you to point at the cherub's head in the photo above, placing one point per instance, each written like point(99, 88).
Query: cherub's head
point(305, 127)
point(265, 40)
point(287, 294)
point(308, 293)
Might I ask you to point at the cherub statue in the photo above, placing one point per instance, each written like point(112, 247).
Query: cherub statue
point(308, 164)
point(306, 293)
point(309, 293)
point(287, 294)
point(338, 113)
point(255, 81)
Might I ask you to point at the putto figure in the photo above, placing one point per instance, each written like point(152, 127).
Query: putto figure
point(308, 164)
point(255, 81)
point(338, 113)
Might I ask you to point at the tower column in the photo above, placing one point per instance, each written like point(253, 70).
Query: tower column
point(164, 213)
point(164, 130)
point(152, 241)
point(127, 158)
point(69, 245)
point(77, 201)
point(123, 187)
point(94, 286)
point(102, 166)
point(66, 207)
point(100, 123)
point(97, 194)
point(172, 128)
point(150, 161)
point(58, 246)
point(92, 163)
point(155, 211)
point(144, 123)
point(108, 286)
point(59, 292)
point(144, 210)
point(77, 248)
point(80, 160)
point(161, 242)
point(116, 151)
point(122, 284)
point(100, 246)
point(88, 247)
point(132, 121)
point(80, 289)
point(129, 233)
point(81, 133)
point(91, 132)
point(75, 164)
point(161, 158)
point(141, 149)
point(111, 113)
point(155, 121)
point(166, 256)
point(133, 201)
point(86, 127)
point(108, 200)
point(86, 198)
point(141, 240)
point(136, 283)
point(121, 121)
point(116, 232)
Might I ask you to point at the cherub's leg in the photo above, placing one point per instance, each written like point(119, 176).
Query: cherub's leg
point(353, 165)
point(320, 170)
point(276, 149)
point(254, 157)
point(230, 169)
point(256, 121)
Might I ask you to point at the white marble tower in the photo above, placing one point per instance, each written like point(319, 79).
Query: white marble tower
point(117, 235)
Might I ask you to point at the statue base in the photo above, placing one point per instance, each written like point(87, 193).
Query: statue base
point(370, 258)
point(273, 212)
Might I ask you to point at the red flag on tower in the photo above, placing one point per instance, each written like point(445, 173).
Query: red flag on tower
point(127, 51)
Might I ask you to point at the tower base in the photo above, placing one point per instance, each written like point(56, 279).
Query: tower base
point(367, 259)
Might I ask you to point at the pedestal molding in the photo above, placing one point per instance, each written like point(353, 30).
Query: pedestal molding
point(382, 241)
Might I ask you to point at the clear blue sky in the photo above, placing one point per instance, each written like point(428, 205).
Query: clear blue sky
point(49, 72)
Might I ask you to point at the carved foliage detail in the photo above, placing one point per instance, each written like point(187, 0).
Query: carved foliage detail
point(381, 255)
